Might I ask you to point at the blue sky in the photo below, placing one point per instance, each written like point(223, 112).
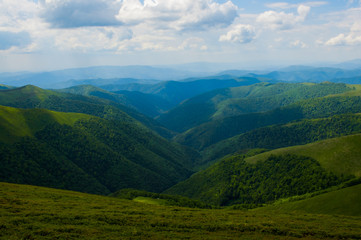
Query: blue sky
point(54, 34)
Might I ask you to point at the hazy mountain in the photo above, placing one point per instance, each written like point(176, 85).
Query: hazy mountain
point(178, 91)
point(59, 77)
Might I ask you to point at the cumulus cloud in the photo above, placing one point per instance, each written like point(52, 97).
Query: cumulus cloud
point(281, 20)
point(14, 39)
point(286, 5)
point(351, 39)
point(178, 15)
point(80, 13)
point(95, 39)
point(239, 34)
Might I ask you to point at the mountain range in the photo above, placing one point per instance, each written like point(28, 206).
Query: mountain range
point(272, 142)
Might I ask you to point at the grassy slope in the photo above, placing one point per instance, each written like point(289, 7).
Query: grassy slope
point(28, 212)
point(15, 122)
point(344, 201)
point(33, 97)
point(278, 136)
point(339, 155)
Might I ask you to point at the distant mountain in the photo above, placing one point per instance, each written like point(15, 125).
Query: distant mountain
point(103, 82)
point(237, 180)
point(57, 78)
point(150, 105)
point(177, 91)
point(85, 153)
point(222, 103)
point(305, 74)
point(352, 64)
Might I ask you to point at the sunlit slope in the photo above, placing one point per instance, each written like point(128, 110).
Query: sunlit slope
point(16, 122)
point(343, 202)
point(42, 213)
point(340, 155)
point(34, 97)
point(277, 174)
point(294, 133)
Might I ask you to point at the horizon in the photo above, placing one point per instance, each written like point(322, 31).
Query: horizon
point(48, 35)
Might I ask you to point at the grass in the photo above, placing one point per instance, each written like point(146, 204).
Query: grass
point(149, 200)
point(340, 155)
point(15, 122)
point(28, 212)
point(344, 201)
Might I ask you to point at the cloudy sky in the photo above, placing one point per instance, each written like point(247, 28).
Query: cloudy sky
point(55, 34)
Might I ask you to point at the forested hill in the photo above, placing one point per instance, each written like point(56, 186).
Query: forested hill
point(279, 174)
point(34, 97)
point(86, 153)
point(261, 97)
point(215, 131)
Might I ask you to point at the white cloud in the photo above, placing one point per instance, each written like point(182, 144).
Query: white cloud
point(80, 13)
point(178, 15)
point(287, 5)
point(91, 40)
point(281, 20)
point(350, 39)
point(239, 34)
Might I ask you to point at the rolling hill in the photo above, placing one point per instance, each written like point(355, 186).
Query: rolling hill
point(229, 102)
point(68, 150)
point(43, 213)
point(345, 201)
point(34, 97)
point(177, 91)
point(147, 104)
point(278, 174)
point(277, 136)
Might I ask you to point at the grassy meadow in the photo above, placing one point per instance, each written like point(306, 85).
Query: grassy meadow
point(29, 212)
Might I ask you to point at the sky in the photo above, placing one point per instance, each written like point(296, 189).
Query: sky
point(40, 35)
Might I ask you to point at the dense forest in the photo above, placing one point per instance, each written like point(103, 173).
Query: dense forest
point(90, 139)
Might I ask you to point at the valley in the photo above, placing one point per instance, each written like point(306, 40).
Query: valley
point(249, 156)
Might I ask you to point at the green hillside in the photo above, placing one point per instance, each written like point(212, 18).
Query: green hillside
point(175, 92)
point(341, 202)
point(33, 97)
point(214, 131)
point(277, 174)
point(150, 105)
point(41, 147)
point(16, 123)
point(277, 136)
point(339, 155)
point(28, 212)
point(229, 102)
